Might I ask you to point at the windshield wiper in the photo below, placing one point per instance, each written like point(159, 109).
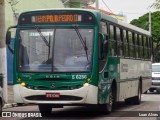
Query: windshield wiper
point(43, 38)
point(49, 46)
point(83, 41)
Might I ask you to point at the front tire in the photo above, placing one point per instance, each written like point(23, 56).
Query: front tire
point(107, 108)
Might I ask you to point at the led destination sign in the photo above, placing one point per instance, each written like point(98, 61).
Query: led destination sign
point(56, 17)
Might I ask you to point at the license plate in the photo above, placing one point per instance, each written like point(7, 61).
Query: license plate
point(52, 95)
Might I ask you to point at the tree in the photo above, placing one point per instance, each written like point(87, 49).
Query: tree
point(142, 22)
point(13, 4)
point(156, 5)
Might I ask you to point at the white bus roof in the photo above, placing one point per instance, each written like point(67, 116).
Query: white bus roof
point(127, 25)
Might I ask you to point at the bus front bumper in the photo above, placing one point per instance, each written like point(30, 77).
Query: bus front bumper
point(84, 95)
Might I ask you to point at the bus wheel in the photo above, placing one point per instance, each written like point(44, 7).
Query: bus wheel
point(129, 101)
point(151, 90)
point(107, 108)
point(109, 105)
point(146, 92)
point(45, 109)
point(137, 99)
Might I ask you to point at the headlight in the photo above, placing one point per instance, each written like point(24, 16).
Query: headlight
point(85, 84)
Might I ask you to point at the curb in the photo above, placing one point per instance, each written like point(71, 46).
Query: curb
point(9, 105)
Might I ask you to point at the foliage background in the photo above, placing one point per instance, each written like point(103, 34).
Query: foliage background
point(143, 23)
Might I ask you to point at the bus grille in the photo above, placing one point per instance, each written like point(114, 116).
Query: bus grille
point(61, 98)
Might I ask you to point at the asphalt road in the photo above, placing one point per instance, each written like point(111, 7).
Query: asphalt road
point(149, 106)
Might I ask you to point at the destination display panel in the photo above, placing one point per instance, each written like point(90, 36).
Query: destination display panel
point(57, 17)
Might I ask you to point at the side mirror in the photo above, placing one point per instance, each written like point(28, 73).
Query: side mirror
point(8, 37)
point(8, 34)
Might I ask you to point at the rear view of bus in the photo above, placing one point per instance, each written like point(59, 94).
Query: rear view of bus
point(155, 78)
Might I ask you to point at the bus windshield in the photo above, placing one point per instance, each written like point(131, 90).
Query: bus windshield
point(155, 68)
point(55, 50)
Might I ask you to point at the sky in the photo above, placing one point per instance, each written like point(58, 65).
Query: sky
point(132, 9)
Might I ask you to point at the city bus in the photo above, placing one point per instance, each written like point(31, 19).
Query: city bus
point(66, 57)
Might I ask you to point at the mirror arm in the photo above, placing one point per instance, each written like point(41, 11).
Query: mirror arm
point(10, 49)
point(11, 27)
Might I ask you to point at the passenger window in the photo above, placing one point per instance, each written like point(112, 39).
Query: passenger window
point(136, 40)
point(113, 43)
point(131, 46)
point(126, 43)
point(119, 42)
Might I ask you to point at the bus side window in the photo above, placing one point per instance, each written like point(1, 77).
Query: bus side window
point(131, 47)
point(103, 46)
point(145, 47)
point(100, 37)
point(141, 46)
point(113, 44)
point(125, 41)
point(149, 47)
point(119, 42)
point(136, 46)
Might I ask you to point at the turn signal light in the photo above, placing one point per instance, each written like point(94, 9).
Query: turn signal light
point(23, 84)
point(88, 79)
point(19, 79)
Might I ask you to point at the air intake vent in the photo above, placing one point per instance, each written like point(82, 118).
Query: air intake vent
point(61, 98)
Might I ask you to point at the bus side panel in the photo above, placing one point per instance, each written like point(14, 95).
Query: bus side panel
point(130, 73)
point(109, 73)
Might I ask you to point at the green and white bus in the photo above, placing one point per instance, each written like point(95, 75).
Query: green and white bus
point(65, 57)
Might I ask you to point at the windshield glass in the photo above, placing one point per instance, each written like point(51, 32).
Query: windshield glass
point(55, 50)
point(155, 68)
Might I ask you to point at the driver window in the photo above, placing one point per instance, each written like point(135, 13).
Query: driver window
point(102, 52)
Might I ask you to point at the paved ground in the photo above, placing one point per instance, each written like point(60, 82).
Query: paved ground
point(149, 105)
point(150, 102)
point(10, 98)
point(10, 94)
